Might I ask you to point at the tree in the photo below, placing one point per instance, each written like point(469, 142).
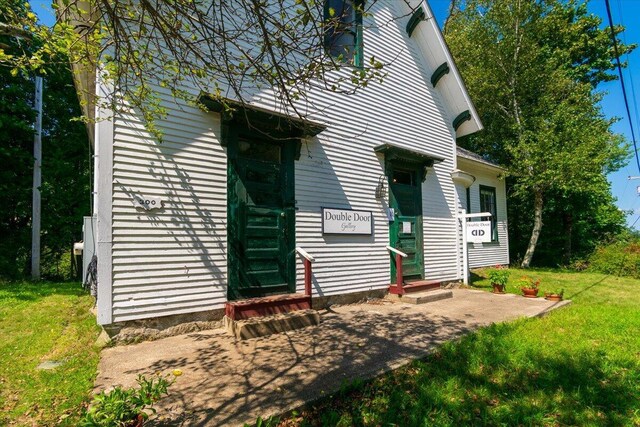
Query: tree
point(227, 49)
point(532, 68)
point(66, 179)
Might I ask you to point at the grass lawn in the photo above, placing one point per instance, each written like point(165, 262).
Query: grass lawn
point(578, 366)
point(41, 322)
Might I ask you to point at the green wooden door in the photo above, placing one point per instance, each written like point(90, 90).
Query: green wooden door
point(405, 232)
point(261, 217)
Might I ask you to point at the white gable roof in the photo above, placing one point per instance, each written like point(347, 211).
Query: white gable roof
point(429, 38)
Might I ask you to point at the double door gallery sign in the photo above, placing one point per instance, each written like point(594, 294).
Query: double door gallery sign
point(346, 221)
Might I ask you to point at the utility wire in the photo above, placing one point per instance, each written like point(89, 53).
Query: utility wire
point(624, 91)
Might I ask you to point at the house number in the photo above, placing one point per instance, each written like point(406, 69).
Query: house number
point(147, 203)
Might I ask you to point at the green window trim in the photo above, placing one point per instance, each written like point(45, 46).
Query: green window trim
point(417, 17)
point(355, 56)
point(488, 203)
point(439, 73)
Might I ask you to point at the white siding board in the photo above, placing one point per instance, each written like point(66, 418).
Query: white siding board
point(173, 261)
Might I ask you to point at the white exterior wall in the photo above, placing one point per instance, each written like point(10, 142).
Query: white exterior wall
point(173, 260)
point(494, 253)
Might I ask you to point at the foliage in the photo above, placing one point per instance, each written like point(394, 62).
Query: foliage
point(559, 291)
point(499, 275)
point(571, 367)
point(531, 68)
point(120, 406)
point(230, 49)
point(65, 189)
point(620, 257)
point(41, 322)
point(527, 282)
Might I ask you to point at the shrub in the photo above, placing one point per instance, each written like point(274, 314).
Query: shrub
point(499, 275)
point(619, 258)
point(122, 407)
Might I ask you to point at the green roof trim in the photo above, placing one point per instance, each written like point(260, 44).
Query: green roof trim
point(262, 119)
point(395, 153)
point(462, 117)
point(417, 17)
point(439, 73)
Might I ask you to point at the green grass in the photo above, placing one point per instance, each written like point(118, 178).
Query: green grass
point(39, 322)
point(577, 366)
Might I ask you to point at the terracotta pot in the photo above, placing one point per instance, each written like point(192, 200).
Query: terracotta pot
point(530, 292)
point(497, 288)
point(553, 297)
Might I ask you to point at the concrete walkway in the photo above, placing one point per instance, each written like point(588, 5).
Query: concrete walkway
point(230, 382)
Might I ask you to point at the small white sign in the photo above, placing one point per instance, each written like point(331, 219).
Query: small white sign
point(147, 203)
point(406, 227)
point(346, 221)
point(479, 231)
point(391, 215)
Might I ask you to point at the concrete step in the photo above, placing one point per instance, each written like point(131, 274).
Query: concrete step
point(262, 326)
point(424, 297)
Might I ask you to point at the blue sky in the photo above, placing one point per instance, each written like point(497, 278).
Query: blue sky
point(623, 12)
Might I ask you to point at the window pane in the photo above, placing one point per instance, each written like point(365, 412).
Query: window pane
point(259, 150)
point(341, 33)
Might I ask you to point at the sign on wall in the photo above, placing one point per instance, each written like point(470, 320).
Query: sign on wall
point(479, 231)
point(147, 203)
point(346, 221)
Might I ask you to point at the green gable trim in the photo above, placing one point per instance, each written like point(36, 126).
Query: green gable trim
point(393, 153)
point(462, 117)
point(270, 123)
point(439, 73)
point(415, 19)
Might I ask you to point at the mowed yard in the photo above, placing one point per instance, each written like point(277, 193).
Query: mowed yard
point(578, 366)
point(39, 323)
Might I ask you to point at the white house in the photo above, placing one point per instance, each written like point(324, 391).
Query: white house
point(218, 214)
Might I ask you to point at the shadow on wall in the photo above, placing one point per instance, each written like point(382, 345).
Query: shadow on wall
point(185, 217)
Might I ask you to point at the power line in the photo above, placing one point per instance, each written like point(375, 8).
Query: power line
point(624, 91)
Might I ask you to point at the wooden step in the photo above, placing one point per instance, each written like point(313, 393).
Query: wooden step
point(415, 286)
point(266, 306)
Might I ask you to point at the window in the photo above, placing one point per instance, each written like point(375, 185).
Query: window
point(488, 204)
point(343, 35)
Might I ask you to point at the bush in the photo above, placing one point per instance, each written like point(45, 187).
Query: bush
point(122, 407)
point(619, 258)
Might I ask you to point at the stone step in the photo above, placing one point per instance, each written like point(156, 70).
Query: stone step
point(267, 325)
point(425, 296)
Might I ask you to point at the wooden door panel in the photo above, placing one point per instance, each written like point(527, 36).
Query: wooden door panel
point(406, 200)
point(263, 238)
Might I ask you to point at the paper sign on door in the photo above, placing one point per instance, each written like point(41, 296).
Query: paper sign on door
point(406, 227)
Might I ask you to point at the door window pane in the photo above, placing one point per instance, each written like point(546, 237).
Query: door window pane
point(259, 150)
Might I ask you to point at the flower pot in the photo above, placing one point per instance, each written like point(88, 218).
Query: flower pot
point(530, 292)
point(497, 288)
point(553, 297)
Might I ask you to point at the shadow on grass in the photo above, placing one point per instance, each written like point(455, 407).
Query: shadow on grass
point(480, 380)
point(30, 291)
point(593, 285)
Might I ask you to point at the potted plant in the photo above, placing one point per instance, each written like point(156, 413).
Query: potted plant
point(127, 407)
point(529, 287)
point(499, 276)
point(555, 295)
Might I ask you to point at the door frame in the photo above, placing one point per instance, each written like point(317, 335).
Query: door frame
point(394, 227)
point(289, 152)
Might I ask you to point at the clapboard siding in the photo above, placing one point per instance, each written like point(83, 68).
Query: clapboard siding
point(494, 253)
point(173, 260)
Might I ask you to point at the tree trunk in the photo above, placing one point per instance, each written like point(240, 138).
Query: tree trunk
point(567, 222)
point(537, 227)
